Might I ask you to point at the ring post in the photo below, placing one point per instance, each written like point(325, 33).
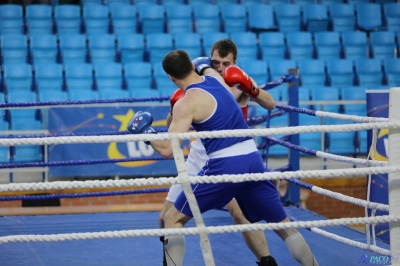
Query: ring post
point(293, 117)
point(394, 178)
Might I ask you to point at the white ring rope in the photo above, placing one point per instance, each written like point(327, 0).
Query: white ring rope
point(190, 135)
point(199, 179)
point(355, 118)
point(345, 159)
point(195, 231)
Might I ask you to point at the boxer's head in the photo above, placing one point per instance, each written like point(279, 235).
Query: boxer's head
point(223, 54)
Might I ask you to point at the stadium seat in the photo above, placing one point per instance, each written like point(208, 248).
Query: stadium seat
point(254, 2)
point(190, 42)
point(44, 48)
point(312, 72)
point(4, 150)
point(369, 73)
point(68, 19)
point(197, 2)
point(48, 77)
point(22, 96)
point(300, 45)
point(353, 93)
point(272, 45)
point(278, 68)
point(210, 38)
point(144, 2)
point(17, 77)
point(39, 19)
point(109, 94)
point(256, 69)
point(49, 96)
point(225, 2)
point(310, 140)
point(343, 17)
point(369, 16)
point(118, 2)
point(261, 17)
point(234, 18)
point(138, 76)
point(83, 95)
point(73, 48)
point(102, 48)
point(123, 18)
point(355, 109)
point(340, 72)
point(315, 17)
point(145, 93)
point(383, 44)
point(131, 47)
point(288, 17)
point(392, 70)
point(247, 45)
point(355, 45)
point(95, 18)
point(341, 143)
point(11, 19)
point(164, 85)
point(172, 2)
point(206, 18)
point(151, 18)
point(325, 94)
point(178, 18)
point(303, 3)
point(158, 45)
point(78, 77)
point(392, 16)
point(14, 48)
point(327, 45)
point(108, 76)
point(27, 153)
point(356, 2)
point(362, 137)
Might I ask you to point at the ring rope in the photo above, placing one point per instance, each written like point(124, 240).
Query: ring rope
point(195, 231)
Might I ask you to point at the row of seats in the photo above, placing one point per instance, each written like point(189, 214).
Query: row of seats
point(46, 48)
point(179, 18)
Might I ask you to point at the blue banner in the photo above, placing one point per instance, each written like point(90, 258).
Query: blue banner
point(378, 106)
point(90, 120)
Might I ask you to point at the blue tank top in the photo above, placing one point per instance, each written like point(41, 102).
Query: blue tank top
point(227, 115)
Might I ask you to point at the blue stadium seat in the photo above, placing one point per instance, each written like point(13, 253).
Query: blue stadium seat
point(158, 45)
point(362, 137)
point(27, 153)
point(123, 18)
point(356, 2)
point(210, 38)
point(340, 72)
point(272, 45)
point(49, 96)
point(312, 72)
point(369, 73)
point(73, 48)
point(145, 93)
point(39, 19)
point(392, 16)
point(178, 18)
point(303, 3)
point(102, 48)
point(206, 18)
point(369, 16)
point(131, 47)
point(341, 143)
point(247, 45)
point(355, 45)
point(48, 77)
point(118, 2)
point(4, 150)
point(151, 18)
point(327, 45)
point(300, 45)
point(278, 68)
point(138, 76)
point(108, 76)
point(256, 69)
point(190, 42)
point(109, 94)
point(330, 2)
point(353, 93)
point(234, 18)
point(68, 19)
point(261, 17)
point(172, 2)
point(164, 85)
point(83, 95)
point(18, 77)
point(78, 77)
point(225, 2)
point(11, 19)
point(22, 96)
point(383, 44)
point(310, 140)
point(392, 70)
point(144, 2)
point(325, 94)
point(343, 17)
point(95, 18)
point(44, 48)
point(315, 17)
point(253, 2)
point(355, 109)
point(198, 2)
point(14, 48)
point(289, 17)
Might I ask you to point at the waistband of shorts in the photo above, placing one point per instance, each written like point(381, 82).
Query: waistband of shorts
point(241, 148)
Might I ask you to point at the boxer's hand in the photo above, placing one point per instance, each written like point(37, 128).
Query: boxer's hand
point(201, 63)
point(140, 123)
point(233, 75)
point(175, 97)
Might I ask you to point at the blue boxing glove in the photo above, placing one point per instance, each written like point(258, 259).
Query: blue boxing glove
point(140, 123)
point(201, 63)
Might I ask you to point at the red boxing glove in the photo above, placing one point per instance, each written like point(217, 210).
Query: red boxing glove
point(233, 75)
point(175, 97)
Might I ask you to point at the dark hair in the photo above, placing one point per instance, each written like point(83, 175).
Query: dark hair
point(224, 47)
point(177, 64)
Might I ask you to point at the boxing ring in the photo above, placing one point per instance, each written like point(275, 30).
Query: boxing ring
point(132, 238)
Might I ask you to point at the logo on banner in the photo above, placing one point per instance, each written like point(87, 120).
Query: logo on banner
point(381, 150)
